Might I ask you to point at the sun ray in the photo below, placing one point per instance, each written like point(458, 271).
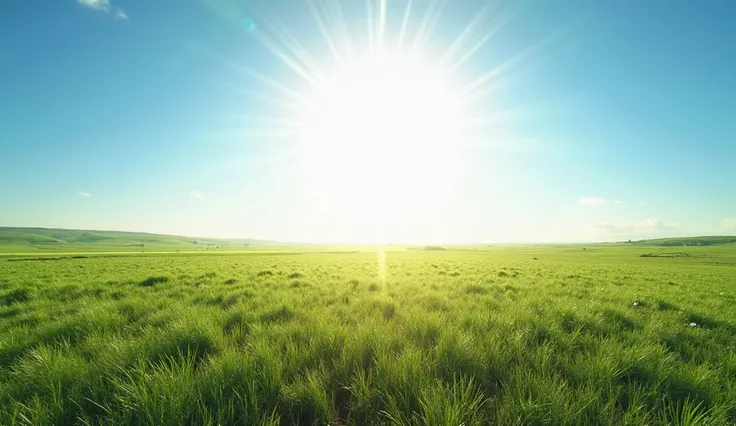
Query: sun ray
point(482, 41)
point(381, 25)
point(342, 30)
point(474, 91)
point(262, 133)
point(428, 24)
point(504, 67)
point(319, 19)
point(404, 24)
point(281, 88)
point(270, 82)
point(295, 47)
point(369, 21)
point(265, 97)
point(287, 51)
point(460, 40)
point(281, 121)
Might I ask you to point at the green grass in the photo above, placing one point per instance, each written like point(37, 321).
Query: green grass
point(523, 335)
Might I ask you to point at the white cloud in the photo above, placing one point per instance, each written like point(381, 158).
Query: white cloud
point(655, 225)
point(96, 4)
point(617, 202)
point(729, 224)
point(645, 227)
point(195, 195)
point(84, 194)
point(592, 201)
point(104, 6)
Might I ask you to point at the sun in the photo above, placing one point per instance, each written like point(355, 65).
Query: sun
point(381, 132)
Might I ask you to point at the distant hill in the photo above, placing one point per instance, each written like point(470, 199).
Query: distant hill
point(30, 239)
point(687, 241)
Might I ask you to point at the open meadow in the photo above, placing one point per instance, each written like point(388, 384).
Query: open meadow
point(518, 335)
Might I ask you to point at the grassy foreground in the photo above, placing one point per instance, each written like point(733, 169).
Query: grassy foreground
point(508, 336)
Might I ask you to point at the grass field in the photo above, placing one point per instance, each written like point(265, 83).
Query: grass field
point(526, 335)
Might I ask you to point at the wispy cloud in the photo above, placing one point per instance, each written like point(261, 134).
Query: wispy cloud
point(84, 194)
point(656, 225)
point(103, 5)
point(729, 224)
point(592, 201)
point(195, 195)
point(648, 226)
point(617, 202)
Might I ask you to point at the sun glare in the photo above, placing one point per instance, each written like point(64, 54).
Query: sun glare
point(380, 113)
point(384, 128)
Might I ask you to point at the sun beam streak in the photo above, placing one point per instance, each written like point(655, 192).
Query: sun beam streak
point(467, 32)
point(404, 24)
point(288, 50)
point(369, 21)
point(477, 89)
point(342, 30)
point(247, 71)
point(428, 24)
point(489, 34)
point(318, 17)
point(381, 25)
point(265, 97)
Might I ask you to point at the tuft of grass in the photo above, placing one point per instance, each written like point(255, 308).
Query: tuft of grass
point(153, 280)
point(476, 289)
point(278, 314)
point(17, 295)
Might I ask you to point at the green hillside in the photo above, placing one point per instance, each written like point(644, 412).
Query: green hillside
point(688, 241)
point(48, 239)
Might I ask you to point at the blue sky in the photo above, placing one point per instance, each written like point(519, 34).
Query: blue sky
point(603, 121)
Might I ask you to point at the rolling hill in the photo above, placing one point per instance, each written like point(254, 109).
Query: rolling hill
point(688, 241)
point(48, 239)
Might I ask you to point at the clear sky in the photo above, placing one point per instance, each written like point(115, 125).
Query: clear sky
point(571, 120)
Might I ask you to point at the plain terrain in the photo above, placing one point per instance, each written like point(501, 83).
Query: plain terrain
point(595, 334)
